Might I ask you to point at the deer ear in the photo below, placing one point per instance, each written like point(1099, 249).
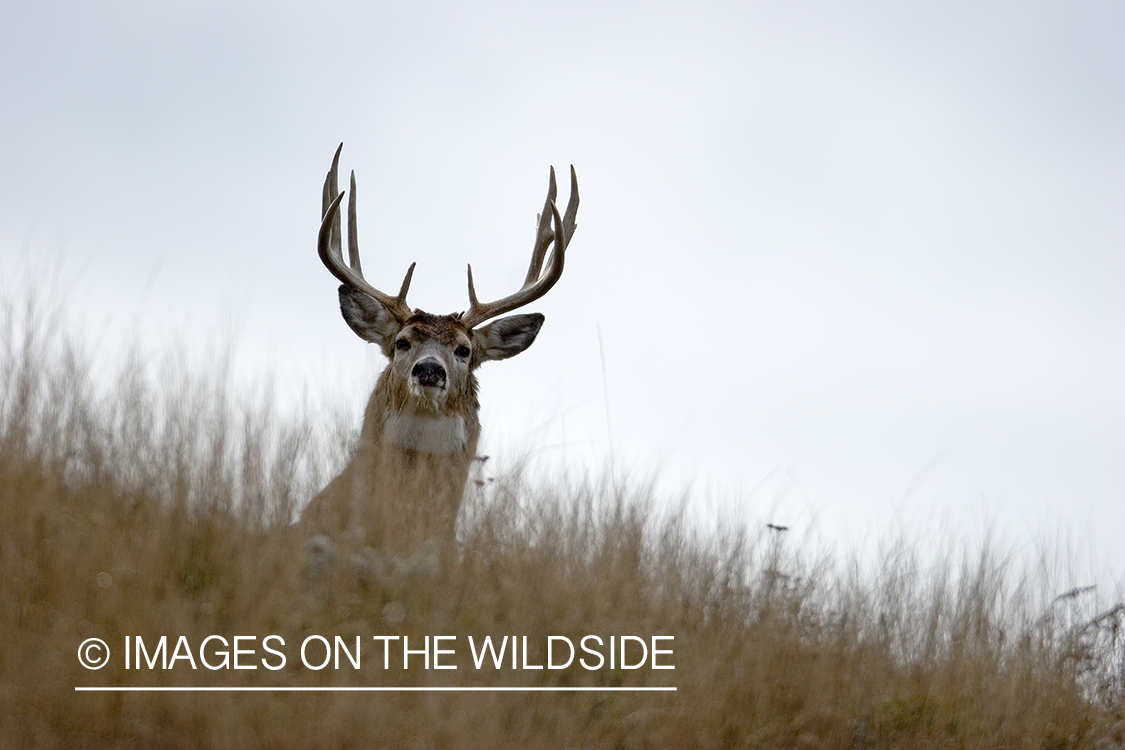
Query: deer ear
point(368, 318)
point(506, 337)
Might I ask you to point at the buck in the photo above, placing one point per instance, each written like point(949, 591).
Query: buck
point(406, 479)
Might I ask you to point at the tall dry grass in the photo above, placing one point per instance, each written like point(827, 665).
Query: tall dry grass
point(159, 505)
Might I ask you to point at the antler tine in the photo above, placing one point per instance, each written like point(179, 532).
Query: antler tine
point(543, 235)
point(552, 229)
point(329, 194)
point(331, 253)
point(570, 218)
point(330, 187)
point(353, 231)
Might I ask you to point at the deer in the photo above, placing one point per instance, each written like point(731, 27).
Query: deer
point(406, 479)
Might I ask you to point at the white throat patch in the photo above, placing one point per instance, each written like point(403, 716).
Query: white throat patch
point(426, 434)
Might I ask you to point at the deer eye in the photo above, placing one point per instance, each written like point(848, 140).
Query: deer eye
point(402, 345)
point(462, 351)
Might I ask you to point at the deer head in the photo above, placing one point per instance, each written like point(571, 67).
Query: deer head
point(421, 426)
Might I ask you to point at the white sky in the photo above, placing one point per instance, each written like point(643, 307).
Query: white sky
point(853, 267)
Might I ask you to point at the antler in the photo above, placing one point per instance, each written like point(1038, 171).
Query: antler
point(331, 254)
point(552, 228)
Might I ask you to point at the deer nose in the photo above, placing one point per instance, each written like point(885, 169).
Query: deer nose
point(429, 372)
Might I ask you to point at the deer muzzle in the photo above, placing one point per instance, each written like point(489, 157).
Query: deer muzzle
point(429, 373)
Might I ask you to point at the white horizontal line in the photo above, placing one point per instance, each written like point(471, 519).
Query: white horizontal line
point(369, 689)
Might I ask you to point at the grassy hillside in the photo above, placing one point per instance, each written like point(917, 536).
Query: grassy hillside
point(158, 506)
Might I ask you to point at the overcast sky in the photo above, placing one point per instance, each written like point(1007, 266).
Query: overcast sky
point(856, 268)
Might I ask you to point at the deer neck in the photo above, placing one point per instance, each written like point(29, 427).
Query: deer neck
point(426, 432)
